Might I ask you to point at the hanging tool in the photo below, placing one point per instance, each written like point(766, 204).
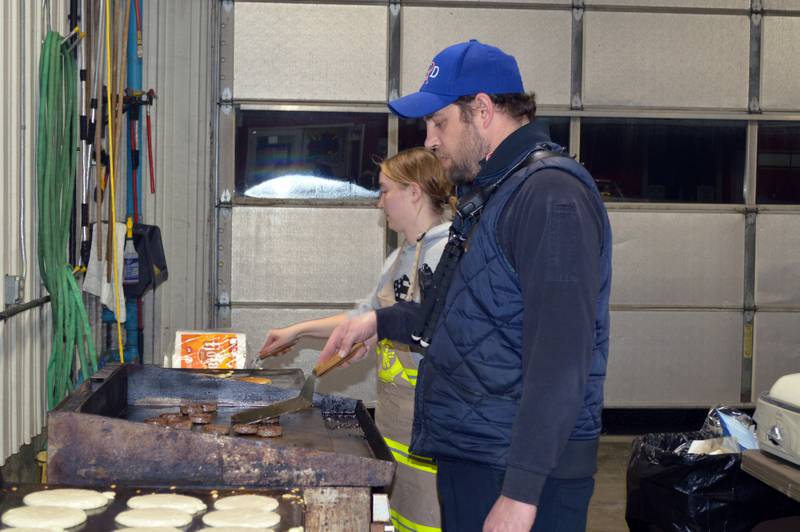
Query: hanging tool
point(120, 73)
point(151, 95)
point(134, 162)
point(303, 400)
point(68, 44)
point(134, 325)
point(90, 76)
point(112, 219)
point(139, 50)
point(99, 122)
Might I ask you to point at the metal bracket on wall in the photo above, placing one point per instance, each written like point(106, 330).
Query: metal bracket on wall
point(754, 86)
point(224, 140)
point(393, 92)
point(751, 164)
point(223, 265)
point(746, 388)
point(575, 137)
point(226, 187)
point(393, 59)
point(226, 37)
point(576, 75)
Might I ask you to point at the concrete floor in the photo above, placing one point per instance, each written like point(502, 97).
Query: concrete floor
point(607, 509)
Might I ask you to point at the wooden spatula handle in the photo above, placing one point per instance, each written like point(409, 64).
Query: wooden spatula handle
point(279, 351)
point(323, 367)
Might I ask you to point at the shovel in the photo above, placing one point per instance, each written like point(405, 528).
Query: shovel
point(302, 401)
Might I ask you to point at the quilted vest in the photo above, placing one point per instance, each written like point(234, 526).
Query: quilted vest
point(470, 384)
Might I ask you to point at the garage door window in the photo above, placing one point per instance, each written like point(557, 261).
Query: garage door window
point(309, 155)
point(778, 175)
point(683, 161)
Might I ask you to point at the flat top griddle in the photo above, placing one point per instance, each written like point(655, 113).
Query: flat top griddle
point(96, 436)
point(291, 507)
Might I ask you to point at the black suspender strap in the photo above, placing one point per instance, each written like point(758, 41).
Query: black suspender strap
point(468, 213)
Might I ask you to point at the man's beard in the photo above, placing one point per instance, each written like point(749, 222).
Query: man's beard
point(472, 150)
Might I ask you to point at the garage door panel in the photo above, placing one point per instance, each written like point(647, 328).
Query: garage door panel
point(777, 347)
point(305, 254)
point(305, 51)
point(538, 39)
point(780, 85)
point(778, 260)
point(674, 358)
point(668, 60)
point(677, 258)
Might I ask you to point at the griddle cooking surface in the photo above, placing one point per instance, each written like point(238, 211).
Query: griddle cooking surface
point(307, 428)
point(291, 507)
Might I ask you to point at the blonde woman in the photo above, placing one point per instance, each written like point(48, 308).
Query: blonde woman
point(414, 196)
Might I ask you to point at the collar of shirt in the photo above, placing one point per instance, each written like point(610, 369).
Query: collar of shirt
point(507, 153)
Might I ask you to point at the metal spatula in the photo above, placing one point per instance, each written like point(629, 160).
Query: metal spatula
point(302, 401)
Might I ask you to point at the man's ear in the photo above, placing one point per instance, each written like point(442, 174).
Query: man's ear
point(483, 109)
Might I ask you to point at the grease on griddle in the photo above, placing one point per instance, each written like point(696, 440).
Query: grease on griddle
point(347, 423)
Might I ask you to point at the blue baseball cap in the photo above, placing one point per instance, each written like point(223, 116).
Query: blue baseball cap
point(459, 70)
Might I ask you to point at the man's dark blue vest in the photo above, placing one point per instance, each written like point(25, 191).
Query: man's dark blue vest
point(470, 384)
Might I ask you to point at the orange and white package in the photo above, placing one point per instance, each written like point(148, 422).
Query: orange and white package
point(209, 350)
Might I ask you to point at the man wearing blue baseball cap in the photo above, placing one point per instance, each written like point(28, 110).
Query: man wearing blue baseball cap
point(509, 395)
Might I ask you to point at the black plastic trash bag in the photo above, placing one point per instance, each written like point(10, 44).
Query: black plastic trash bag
point(672, 491)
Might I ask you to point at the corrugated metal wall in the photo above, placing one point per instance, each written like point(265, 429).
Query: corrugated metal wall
point(178, 37)
point(24, 338)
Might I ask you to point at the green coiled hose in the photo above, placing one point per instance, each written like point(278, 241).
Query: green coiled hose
point(56, 156)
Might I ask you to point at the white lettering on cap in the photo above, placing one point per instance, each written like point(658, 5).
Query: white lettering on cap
point(432, 72)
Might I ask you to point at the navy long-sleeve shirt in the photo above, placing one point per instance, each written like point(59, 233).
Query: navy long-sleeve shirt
point(551, 232)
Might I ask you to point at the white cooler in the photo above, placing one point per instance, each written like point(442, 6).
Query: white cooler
point(778, 417)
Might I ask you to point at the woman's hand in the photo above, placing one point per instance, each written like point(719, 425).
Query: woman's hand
point(361, 329)
point(278, 342)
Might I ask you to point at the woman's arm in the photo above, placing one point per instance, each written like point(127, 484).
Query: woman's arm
point(280, 340)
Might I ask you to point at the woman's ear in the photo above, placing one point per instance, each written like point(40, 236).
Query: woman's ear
point(416, 191)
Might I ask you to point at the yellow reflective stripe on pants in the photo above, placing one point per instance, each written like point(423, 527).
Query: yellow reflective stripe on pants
point(403, 456)
point(406, 524)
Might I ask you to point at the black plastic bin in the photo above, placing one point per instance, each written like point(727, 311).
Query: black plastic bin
point(670, 492)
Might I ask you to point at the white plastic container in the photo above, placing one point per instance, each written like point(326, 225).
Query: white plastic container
point(778, 417)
